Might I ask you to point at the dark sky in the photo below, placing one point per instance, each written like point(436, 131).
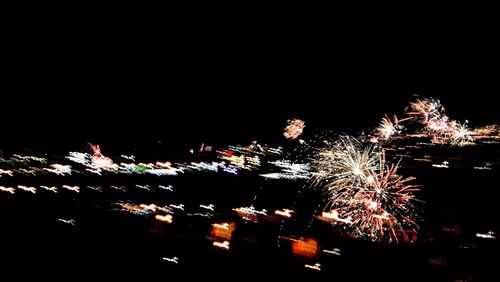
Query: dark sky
point(234, 86)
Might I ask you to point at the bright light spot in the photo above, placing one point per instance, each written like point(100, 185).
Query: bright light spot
point(222, 245)
point(165, 218)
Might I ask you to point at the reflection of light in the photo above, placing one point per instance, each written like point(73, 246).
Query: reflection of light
point(222, 245)
point(145, 187)
point(174, 259)
point(284, 212)
point(121, 188)
point(52, 189)
point(166, 218)
point(162, 171)
point(489, 235)
point(250, 210)
point(77, 157)
point(225, 225)
point(209, 207)
point(7, 189)
point(27, 189)
point(335, 251)
point(96, 171)
point(288, 171)
point(179, 207)
point(68, 221)
point(482, 167)
point(164, 164)
point(59, 169)
point(169, 187)
point(232, 170)
point(131, 157)
point(335, 216)
point(316, 266)
point(8, 172)
point(151, 207)
point(98, 188)
point(443, 165)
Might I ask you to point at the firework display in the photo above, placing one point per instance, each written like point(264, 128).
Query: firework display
point(434, 124)
point(366, 191)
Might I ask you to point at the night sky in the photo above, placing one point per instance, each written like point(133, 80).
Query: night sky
point(233, 87)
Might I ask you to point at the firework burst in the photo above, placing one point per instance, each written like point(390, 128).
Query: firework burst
point(294, 128)
point(425, 110)
point(446, 131)
point(364, 191)
point(343, 161)
point(380, 206)
point(461, 135)
point(388, 128)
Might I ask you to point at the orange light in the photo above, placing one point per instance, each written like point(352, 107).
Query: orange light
point(165, 218)
point(306, 248)
point(223, 230)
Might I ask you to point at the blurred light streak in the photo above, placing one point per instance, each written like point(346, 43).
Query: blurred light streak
point(27, 189)
point(222, 245)
point(209, 207)
point(59, 169)
point(316, 266)
point(284, 213)
point(7, 172)
point(72, 188)
point(51, 189)
point(164, 218)
point(173, 259)
point(335, 251)
point(169, 187)
point(489, 235)
point(67, 221)
point(7, 189)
